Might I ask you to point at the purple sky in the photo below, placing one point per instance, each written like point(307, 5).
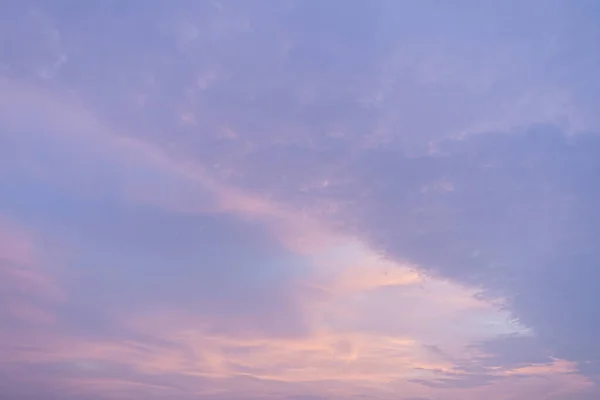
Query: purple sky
point(299, 200)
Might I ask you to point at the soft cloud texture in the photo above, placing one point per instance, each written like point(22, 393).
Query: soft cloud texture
point(299, 200)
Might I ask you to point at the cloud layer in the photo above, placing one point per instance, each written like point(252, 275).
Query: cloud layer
point(299, 200)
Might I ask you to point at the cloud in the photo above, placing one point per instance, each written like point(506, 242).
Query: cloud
point(512, 351)
point(519, 223)
point(295, 199)
point(242, 301)
point(28, 277)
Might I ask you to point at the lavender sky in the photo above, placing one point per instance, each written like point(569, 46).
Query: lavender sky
point(299, 200)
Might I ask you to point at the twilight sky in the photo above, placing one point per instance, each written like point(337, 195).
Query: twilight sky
point(299, 200)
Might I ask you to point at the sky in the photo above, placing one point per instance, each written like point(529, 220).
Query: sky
point(299, 200)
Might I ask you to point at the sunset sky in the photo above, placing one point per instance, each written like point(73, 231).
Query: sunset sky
point(299, 200)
